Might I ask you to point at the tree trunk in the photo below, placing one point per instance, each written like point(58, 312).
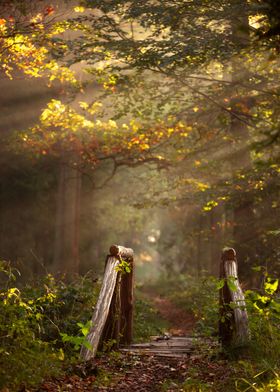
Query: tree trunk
point(67, 230)
point(243, 215)
point(198, 247)
point(216, 238)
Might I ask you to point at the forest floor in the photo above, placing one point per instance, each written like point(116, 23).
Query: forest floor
point(181, 322)
point(202, 370)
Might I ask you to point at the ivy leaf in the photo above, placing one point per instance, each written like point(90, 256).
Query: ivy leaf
point(220, 284)
point(231, 283)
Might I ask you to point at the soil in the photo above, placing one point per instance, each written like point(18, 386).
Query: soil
point(182, 322)
point(129, 373)
point(124, 372)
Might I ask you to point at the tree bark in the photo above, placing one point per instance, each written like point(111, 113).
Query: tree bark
point(67, 230)
point(113, 314)
point(243, 214)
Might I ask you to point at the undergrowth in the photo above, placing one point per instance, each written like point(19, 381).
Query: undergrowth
point(43, 325)
point(33, 321)
point(196, 295)
point(147, 321)
point(256, 366)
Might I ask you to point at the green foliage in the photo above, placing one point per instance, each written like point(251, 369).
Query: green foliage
point(198, 295)
point(123, 267)
point(109, 345)
point(264, 320)
point(147, 321)
point(193, 385)
point(79, 340)
point(266, 380)
point(73, 304)
point(230, 282)
point(24, 356)
point(256, 368)
point(41, 326)
point(104, 378)
point(272, 385)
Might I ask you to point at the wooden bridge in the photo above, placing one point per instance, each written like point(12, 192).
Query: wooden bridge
point(112, 319)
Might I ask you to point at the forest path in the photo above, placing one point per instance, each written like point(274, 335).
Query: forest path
point(168, 363)
point(136, 373)
point(178, 341)
point(181, 322)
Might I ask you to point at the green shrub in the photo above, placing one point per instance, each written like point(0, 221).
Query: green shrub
point(33, 322)
point(257, 365)
point(73, 304)
point(263, 357)
point(21, 347)
point(147, 321)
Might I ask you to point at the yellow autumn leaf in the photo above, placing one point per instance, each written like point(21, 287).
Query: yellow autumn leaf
point(79, 9)
point(210, 205)
point(83, 105)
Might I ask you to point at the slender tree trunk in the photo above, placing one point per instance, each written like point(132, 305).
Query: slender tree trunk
point(243, 215)
point(67, 230)
point(199, 244)
point(216, 238)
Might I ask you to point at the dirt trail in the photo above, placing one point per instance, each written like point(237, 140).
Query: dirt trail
point(132, 373)
point(124, 372)
point(182, 322)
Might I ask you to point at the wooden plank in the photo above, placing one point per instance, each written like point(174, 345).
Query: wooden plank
point(171, 347)
point(111, 330)
point(159, 352)
point(161, 349)
point(113, 313)
point(126, 293)
point(169, 343)
point(127, 303)
point(155, 352)
point(176, 338)
point(102, 307)
point(182, 347)
point(180, 342)
point(233, 324)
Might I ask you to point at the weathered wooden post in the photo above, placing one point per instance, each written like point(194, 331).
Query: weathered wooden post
point(126, 294)
point(112, 316)
point(233, 322)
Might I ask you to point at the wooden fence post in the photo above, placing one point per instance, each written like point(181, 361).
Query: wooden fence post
point(112, 317)
point(127, 305)
point(233, 322)
point(119, 324)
